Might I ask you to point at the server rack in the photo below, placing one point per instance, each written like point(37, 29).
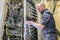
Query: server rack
point(14, 27)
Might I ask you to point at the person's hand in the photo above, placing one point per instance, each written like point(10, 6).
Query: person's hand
point(29, 22)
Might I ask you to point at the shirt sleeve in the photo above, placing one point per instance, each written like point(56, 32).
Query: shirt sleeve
point(45, 19)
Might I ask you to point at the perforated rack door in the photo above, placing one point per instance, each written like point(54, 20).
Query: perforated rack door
point(31, 12)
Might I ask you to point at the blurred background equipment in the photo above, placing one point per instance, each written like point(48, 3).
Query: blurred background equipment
point(13, 29)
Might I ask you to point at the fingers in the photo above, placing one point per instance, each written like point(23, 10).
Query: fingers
point(28, 22)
